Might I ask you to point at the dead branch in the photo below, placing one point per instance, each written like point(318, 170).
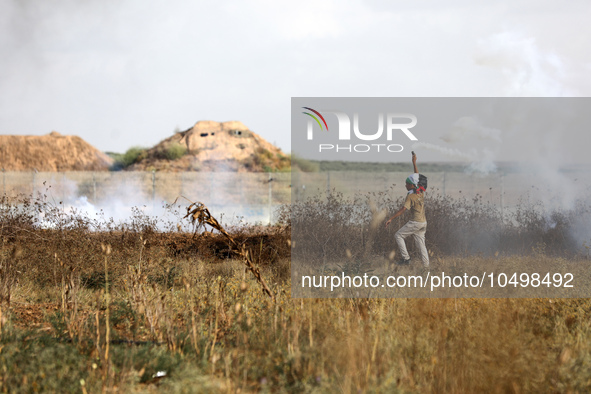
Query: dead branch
point(200, 215)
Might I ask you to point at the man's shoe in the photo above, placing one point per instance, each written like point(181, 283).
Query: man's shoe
point(403, 262)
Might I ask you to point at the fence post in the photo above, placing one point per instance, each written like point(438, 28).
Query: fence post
point(270, 182)
point(182, 191)
point(94, 188)
point(153, 190)
point(242, 192)
point(502, 195)
point(211, 188)
point(295, 186)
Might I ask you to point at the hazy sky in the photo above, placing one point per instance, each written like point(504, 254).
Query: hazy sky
point(121, 73)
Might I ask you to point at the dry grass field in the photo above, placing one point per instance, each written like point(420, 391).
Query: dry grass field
point(88, 307)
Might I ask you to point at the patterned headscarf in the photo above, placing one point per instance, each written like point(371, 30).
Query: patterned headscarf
point(413, 179)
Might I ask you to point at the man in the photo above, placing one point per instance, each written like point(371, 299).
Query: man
point(417, 225)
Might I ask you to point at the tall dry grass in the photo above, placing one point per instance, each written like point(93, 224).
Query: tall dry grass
point(135, 309)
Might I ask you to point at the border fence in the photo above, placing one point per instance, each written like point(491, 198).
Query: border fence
point(504, 190)
point(256, 196)
point(252, 196)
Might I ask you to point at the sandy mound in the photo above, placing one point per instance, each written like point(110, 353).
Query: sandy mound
point(215, 146)
point(52, 152)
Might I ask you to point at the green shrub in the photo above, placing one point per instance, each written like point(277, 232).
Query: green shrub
point(175, 151)
point(133, 155)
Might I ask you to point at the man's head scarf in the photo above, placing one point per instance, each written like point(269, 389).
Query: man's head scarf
point(413, 179)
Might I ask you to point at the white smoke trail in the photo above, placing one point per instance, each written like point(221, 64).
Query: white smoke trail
point(482, 163)
point(469, 126)
point(449, 152)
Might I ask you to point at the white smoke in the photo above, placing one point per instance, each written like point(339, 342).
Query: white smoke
point(449, 152)
point(480, 161)
point(114, 212)
point(528, 70)
point(465, 129)
point(123, 199)
point(469, 126)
